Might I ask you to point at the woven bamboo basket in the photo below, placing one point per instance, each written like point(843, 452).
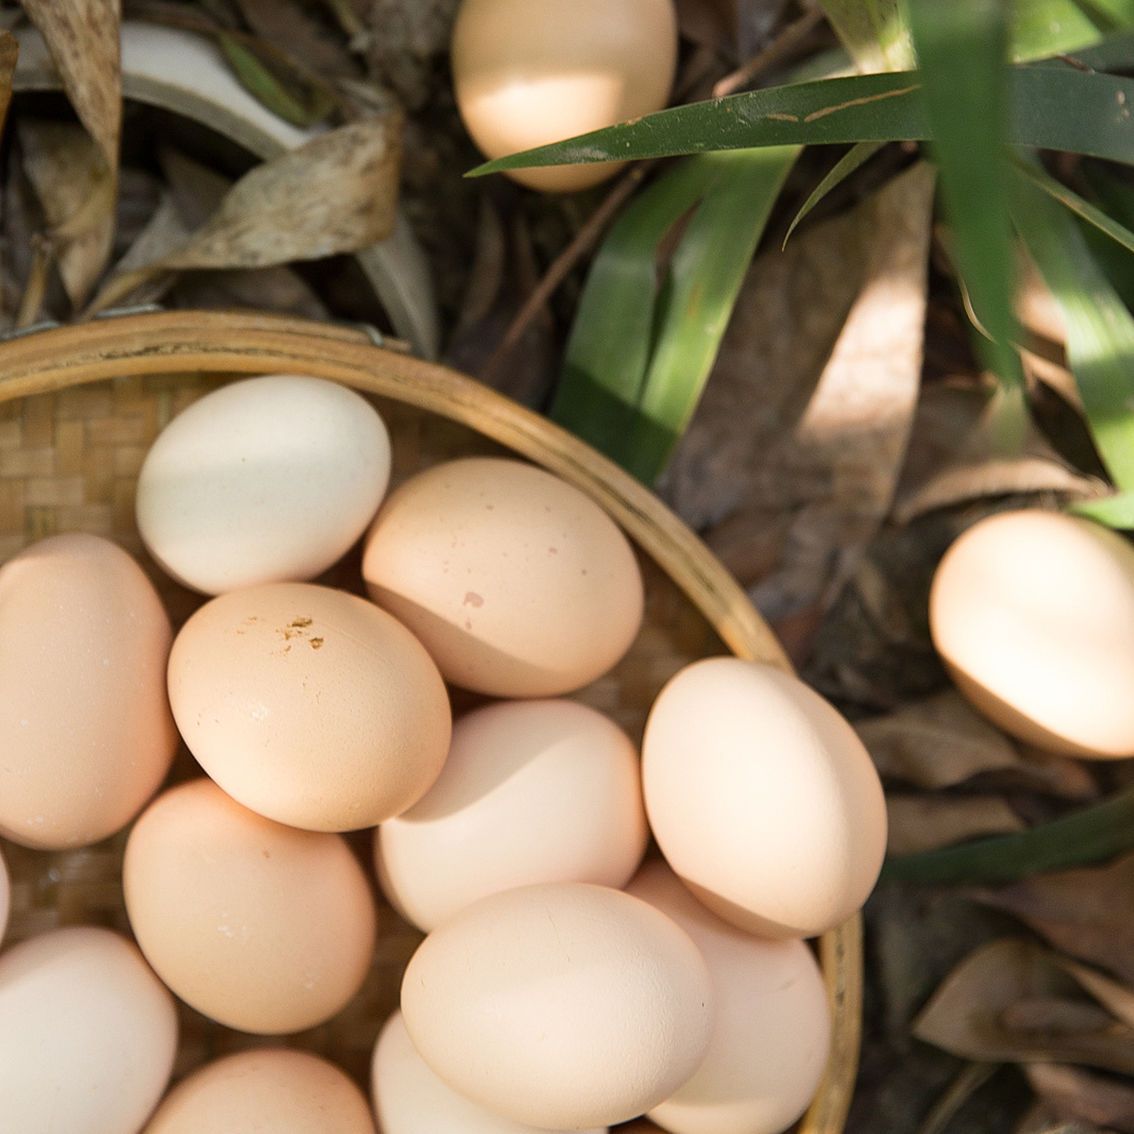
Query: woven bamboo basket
point(79, 407)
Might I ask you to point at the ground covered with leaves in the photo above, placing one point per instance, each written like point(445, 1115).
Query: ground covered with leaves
point(846, 434)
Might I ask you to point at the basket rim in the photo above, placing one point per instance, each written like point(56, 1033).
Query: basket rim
point(243, 343)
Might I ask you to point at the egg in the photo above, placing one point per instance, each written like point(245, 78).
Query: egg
point(5, 897)
point(409, 1098)
point(309, 705)
point(85, 726)
point(772, 1031)
point(1033, 614)
point(87, 1034)
point(264, 480)
point(262, 927)
point(271, 1090)
point(762, 798)
point(517, 583)
point(562, 1005)
point(526, 74)
point(532, 791)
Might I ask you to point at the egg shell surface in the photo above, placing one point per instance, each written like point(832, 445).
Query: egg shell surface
point(272, 1090)
point(517, 583)
point(87, 1034)
point(309, 705)
point(263, 480)
point(563, 1005)
point(772, 1034)
point(526, 74)
point(262, 927)
point(409, 1098)
point(1033, 614)
point(531, 791)
point(85, 725)
point(762, 798)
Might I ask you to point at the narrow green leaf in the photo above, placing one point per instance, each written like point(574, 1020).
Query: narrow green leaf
point(961, 50)
point(706, 273)
point(1115, 511)
point(1081, 207)
point(857, 156)
point(1100, 328)
point(613, 332)
point(643, 343)
point(1092, 835)
point(1116, 198)
point(1055, 107)
point(1048, 27)
point(299, 106)
point(874, 33)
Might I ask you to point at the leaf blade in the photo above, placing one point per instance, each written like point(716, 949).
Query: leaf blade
point(1100, 328)
point(961, 51)
point(1052, 107)
point(707, 270)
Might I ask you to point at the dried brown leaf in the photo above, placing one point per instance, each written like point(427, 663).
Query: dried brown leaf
point(67, 171)
point(1117, 998)
point(941, 741)
point(1080, 1094)
point(967, 1014)
point(336, 193)
point(926, 822)
point(83, 39)
point(955, 456)
point(1044, 1119)
point(807, 416)
point(1087, 913)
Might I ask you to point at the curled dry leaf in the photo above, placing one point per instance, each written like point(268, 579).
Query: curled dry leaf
point(940, 742)
point(808, 412)
point(335, 193)
point(957, 455)
point(926, 822)
point(1075, 1093)
point(1086, 913)
point(67, 170)
point(970, 1015)
point(83, 39)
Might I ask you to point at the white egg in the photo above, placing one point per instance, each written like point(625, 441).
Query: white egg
point(266, 480)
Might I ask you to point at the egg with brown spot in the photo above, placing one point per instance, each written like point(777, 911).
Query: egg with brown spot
point(309, 705)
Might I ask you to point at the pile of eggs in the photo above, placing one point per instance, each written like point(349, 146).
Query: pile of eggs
point(567, 980)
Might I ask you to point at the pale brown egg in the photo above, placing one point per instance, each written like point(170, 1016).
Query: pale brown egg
point(272, 1090)
point(563, 1005)
point(309, 705)
point(1033, 614)
point(529, 73)
point(518, 584)
point(262, 927)
point(762, 798)
point(85, 726)
point(410, 1099)
point(87, 1035)
point(532, 791)
point(772, 1030)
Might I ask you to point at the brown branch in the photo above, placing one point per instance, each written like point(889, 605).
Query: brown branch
point(559, 268)
point(784, 43)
